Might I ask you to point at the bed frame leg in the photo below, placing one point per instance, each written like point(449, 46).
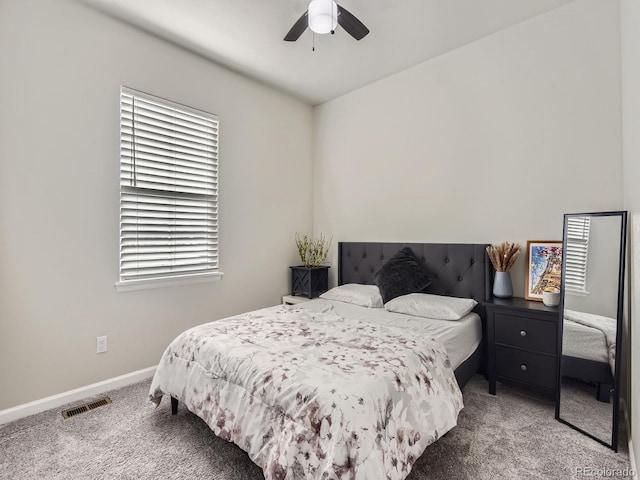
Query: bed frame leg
point(604, 392)
point(174, 406)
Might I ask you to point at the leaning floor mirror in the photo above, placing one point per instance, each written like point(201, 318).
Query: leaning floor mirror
point(592, 297)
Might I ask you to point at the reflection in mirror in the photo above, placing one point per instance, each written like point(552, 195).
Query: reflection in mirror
point(592, 293)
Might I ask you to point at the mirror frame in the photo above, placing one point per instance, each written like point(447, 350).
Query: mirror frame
point(619, 318)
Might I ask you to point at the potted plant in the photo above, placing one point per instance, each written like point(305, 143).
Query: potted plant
point(312, 277)
point(502, 258)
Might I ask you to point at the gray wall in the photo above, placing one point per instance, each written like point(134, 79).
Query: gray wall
point(493, 141)
point(630, 48)
point(61, 67)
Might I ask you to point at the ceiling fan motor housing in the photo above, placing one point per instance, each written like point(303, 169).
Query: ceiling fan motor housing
point(323, 16)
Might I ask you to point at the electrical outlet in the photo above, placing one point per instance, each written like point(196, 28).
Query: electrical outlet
point(101, 344)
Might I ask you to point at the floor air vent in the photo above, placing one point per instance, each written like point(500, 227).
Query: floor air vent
point(77, 410)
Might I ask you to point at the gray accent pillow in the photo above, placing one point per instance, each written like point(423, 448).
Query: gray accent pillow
point(402, 274)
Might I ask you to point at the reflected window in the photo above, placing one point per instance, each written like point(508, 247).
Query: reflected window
point(577, 250)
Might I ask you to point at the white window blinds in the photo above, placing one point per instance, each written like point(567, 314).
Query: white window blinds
point(577, 253)
point(168, 189)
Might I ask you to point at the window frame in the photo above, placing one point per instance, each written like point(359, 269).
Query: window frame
point(172, 193)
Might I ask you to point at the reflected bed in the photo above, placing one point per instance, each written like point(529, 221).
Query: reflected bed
point(589, 350)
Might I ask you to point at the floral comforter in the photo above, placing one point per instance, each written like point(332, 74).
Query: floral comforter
point(313, 395)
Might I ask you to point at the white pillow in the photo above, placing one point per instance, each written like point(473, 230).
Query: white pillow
point(363, 295)
point(431, 306)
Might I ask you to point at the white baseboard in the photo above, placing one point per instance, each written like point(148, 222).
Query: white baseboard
point(627, 424)
point(632, 461)
point(54, 401)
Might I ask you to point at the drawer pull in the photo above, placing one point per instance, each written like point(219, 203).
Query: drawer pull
point(523, 333)
point(523, 367)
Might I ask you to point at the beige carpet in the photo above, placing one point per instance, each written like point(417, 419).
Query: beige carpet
point(509, 436)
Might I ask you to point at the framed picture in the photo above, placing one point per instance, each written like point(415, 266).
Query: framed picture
point(544, 267)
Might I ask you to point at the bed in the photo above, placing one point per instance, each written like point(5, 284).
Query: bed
point(588, 350)
point(320, 389)
point(457, 270)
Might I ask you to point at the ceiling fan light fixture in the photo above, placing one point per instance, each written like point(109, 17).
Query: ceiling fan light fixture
point(323, 16)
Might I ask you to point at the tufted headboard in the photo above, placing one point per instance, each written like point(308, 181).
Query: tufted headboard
point(456, 269)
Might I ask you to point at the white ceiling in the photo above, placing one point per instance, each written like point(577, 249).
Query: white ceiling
point(246, 36)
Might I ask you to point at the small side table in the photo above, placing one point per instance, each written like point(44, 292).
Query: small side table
point(294, 299)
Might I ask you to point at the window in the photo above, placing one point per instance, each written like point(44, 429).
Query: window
point(168, 193)
point(576, 254)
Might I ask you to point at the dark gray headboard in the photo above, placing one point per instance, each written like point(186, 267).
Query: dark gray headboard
point(456, 269)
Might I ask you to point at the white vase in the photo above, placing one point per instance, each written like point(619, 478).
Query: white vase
point(502, 287)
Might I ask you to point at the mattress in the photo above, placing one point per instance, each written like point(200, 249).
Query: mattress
point(581, 341)
point(460, 337)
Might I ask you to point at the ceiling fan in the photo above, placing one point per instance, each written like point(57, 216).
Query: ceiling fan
point(323, 16)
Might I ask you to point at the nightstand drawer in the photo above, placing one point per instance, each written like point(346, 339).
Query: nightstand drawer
point(527, 333)
point(526, 367)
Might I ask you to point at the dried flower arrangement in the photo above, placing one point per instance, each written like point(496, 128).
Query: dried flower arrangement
point(503, 256)
point(313, 252)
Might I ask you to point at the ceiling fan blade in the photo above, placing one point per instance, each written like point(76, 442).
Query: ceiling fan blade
point(298, 28)
point(351, 24)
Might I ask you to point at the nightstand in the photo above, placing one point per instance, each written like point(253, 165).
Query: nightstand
point(293, 300)
point(522, 343)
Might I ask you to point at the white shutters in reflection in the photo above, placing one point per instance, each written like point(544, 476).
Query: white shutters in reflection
point(576, 253)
